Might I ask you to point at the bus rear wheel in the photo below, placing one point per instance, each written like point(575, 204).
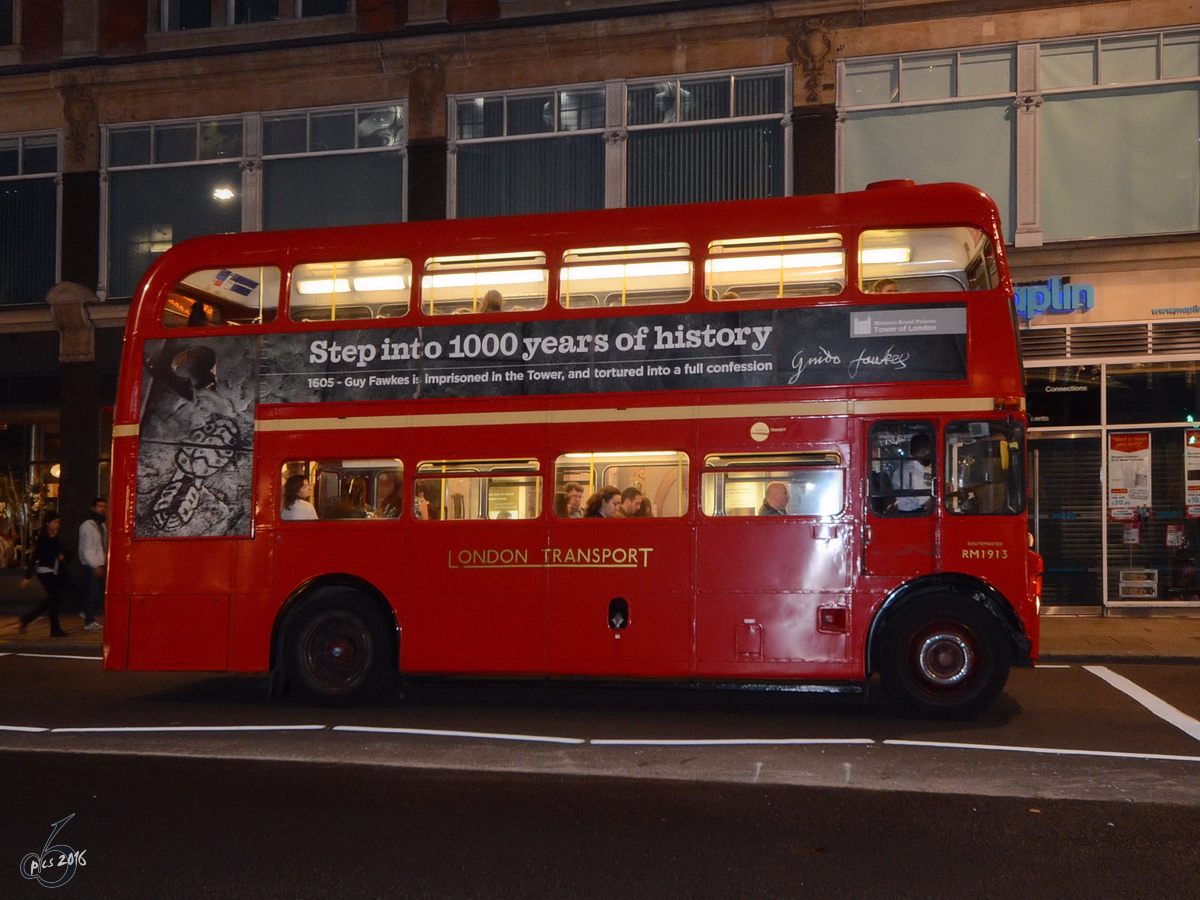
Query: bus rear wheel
point(944, 656)
point(335, 649)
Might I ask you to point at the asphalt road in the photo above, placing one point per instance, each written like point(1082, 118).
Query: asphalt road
point(202, 828)
point(195, 786)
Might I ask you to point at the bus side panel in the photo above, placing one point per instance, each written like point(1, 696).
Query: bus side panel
point(179, 603)
point(773, 592)
point(116, 589)
point(620, 590)
point(475, 589)
point(784, 610)
point(627, 610)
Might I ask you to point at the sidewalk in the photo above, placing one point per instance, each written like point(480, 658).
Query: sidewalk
point(1065, 639)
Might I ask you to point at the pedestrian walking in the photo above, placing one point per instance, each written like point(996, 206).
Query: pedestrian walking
point(93, 557)
point(48, 563)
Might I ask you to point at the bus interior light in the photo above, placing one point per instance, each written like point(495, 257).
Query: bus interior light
point(324, 286)
point(380, 283)
point(633, 270)
point(887, 255)
point(775, 263)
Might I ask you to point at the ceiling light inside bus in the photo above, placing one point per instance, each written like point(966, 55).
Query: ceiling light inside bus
point(324, 286)
point(380, 283)
point(887, 255)
point(634, 270)
point(483, 279)
point(223, 194)
point(775, 263)
point(633, 455)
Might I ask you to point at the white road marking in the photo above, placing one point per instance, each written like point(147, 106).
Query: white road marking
point(57, 656)
point(170, 728)
point(431, 732)
point(1161, 708)
point(1054, 666)
point(721, 742)
point(21, 728)
point(1052, 751)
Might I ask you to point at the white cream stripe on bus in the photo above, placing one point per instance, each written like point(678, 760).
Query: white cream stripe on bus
point(926, 406)
point(641, 414)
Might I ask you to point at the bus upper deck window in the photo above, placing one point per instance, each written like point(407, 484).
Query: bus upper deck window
point(648, 275)
point(658, 477)
point(361, 289)
point(213, 297)
point(487, 283)
point(771, 268)
point(912, 260)
point(328, 489)
point(492, 489)
point(808, 483)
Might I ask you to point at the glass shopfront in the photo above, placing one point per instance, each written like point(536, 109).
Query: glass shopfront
point(1115, 483)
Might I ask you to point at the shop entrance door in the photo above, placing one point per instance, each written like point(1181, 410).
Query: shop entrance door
point(1066, 512)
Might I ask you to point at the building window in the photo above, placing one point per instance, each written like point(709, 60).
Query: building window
point(897, 108)
point(720, 136)
point(166, 182)
point(182, 15)
point(29, 170)
point(333, 167)
point(1120, 124)
point(246, 11)
point(7, 29)
point(321, 7)
point(709, 138)
point(1106, 130)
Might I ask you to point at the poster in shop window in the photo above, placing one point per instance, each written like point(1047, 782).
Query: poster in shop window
point(1128, 473)
point(1191, 473)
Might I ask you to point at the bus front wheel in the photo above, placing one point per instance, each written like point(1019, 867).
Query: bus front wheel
point(944, 656)
point(335, 649)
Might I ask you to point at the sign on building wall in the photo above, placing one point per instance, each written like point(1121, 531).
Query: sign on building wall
point(1191, 473)
point(1102, 298)
point(1128, 473)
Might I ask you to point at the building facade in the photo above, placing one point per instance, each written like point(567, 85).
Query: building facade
point(129, 125)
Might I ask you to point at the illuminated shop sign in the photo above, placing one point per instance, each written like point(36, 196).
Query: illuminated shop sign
point(1053, 296)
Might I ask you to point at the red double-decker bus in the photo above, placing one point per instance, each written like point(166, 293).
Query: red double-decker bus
point(772, 442)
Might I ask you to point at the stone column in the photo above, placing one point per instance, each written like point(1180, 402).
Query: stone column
point(79, 425)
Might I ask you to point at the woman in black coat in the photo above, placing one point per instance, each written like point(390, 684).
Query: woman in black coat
point(49, 564)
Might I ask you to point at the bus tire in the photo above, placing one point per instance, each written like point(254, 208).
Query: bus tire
point(335, 649)
point(944, 656)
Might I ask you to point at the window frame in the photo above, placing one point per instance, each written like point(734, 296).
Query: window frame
point(768, 467)
point(57, 175)
point(252, 161)
point(616, 128)
point(1030, 90)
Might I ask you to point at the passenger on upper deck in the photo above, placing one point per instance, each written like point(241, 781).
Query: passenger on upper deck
point(492, 302)
point(603, 503)
point(885, 286)
point(391, 494)
point(631, 500)
point(353, 502)
point(297, 495)
point(574, 492)
point(775, 502)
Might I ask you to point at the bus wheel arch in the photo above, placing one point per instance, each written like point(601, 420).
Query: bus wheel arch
point(945, 647)
point(336, 640)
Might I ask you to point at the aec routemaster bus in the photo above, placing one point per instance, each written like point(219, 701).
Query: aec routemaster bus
point(796, 427)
